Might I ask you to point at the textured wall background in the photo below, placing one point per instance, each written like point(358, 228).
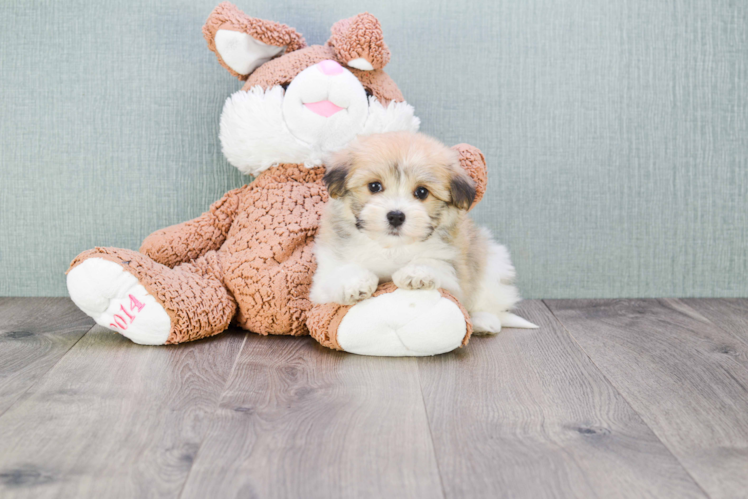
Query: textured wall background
point(616, 132)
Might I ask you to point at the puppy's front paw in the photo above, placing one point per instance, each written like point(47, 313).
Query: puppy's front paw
point(358, 287)
point(347, 285)
point(415, 277)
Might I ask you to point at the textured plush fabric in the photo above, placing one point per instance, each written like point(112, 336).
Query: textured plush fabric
point(360, 37)
point(189, 240)
point(282, 70)
point(228, 17)
point(474, 163)
point(192, 294)
point(248, 259)
point(263, 263)
point(615, 132)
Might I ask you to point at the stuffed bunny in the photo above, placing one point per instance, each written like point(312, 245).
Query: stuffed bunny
point(248, 259)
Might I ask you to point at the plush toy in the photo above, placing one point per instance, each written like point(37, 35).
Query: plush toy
point(248, 260)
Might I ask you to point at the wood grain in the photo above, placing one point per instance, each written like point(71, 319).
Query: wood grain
point(626, 398)
point(729, 314)
point(686, 377)
point(114, 419)
point(299, 420)
point(526, 414)
point(34, 334)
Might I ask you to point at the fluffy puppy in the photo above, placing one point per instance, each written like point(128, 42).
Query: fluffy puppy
point(398, 211)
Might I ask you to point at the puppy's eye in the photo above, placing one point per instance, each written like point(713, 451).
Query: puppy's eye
point(375, 187)
point(368, 93)
point(285, 86)
point(421, 193)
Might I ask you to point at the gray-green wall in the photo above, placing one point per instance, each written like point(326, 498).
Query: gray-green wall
point(616, 132)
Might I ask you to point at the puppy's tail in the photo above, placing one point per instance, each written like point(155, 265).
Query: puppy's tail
point(509, 320)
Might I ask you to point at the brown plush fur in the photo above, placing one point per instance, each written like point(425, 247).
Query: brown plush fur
point(360, 36)
point(227, 17)
point(474, 163)
point(347, 40)
point(282, 70)
point(249, 260)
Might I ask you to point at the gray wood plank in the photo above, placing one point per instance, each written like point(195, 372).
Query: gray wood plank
point(527, 414)
point(299, 420)
point(114, 419)
point(34, 334)
point(686, 377)
point(729, 314)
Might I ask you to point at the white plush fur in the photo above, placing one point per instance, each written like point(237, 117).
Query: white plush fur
point(403, 323)
point(101, 289)
point(242, 53)
point(255, 135)
point(360, 63)
point(342, 89)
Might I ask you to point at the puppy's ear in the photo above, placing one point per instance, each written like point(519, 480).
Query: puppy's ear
point(244, 43)
point(462, 187)
point(337, 168)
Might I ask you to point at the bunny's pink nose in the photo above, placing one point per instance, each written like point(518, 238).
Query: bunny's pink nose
point(330, 68)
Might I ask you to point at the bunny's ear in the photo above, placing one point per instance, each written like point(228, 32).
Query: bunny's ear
point(474, 164)
point(359, 43)
point(243, 43)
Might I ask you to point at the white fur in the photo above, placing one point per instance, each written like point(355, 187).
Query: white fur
point(350, 284)
point(496, 295)
point(422, 265)
point(485, 322)
point(510, 320)
point(362, 254)
point(417, 276)
point(255, 134)
point(377, 227)
point(242, 53)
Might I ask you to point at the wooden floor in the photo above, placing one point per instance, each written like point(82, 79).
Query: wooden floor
point(609, 398)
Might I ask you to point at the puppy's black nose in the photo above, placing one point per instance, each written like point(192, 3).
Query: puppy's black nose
point(396, 218)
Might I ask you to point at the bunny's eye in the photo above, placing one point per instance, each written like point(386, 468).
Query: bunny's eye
point(421, 193)
point(375, 187)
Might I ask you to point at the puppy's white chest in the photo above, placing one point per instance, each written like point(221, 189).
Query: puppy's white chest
point(384, 261)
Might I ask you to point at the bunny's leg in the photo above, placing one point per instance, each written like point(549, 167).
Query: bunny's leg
point(393, 322)
point(148, 302)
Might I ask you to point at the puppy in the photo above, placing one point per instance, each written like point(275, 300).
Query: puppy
point(398, 211)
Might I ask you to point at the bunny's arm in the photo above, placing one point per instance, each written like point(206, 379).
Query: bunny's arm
point(474, 163)
point(189, 240)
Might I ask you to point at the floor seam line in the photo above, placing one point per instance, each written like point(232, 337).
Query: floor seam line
point(614, 386)
point(718, 327)
point(215, 409)
point(428, 426)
